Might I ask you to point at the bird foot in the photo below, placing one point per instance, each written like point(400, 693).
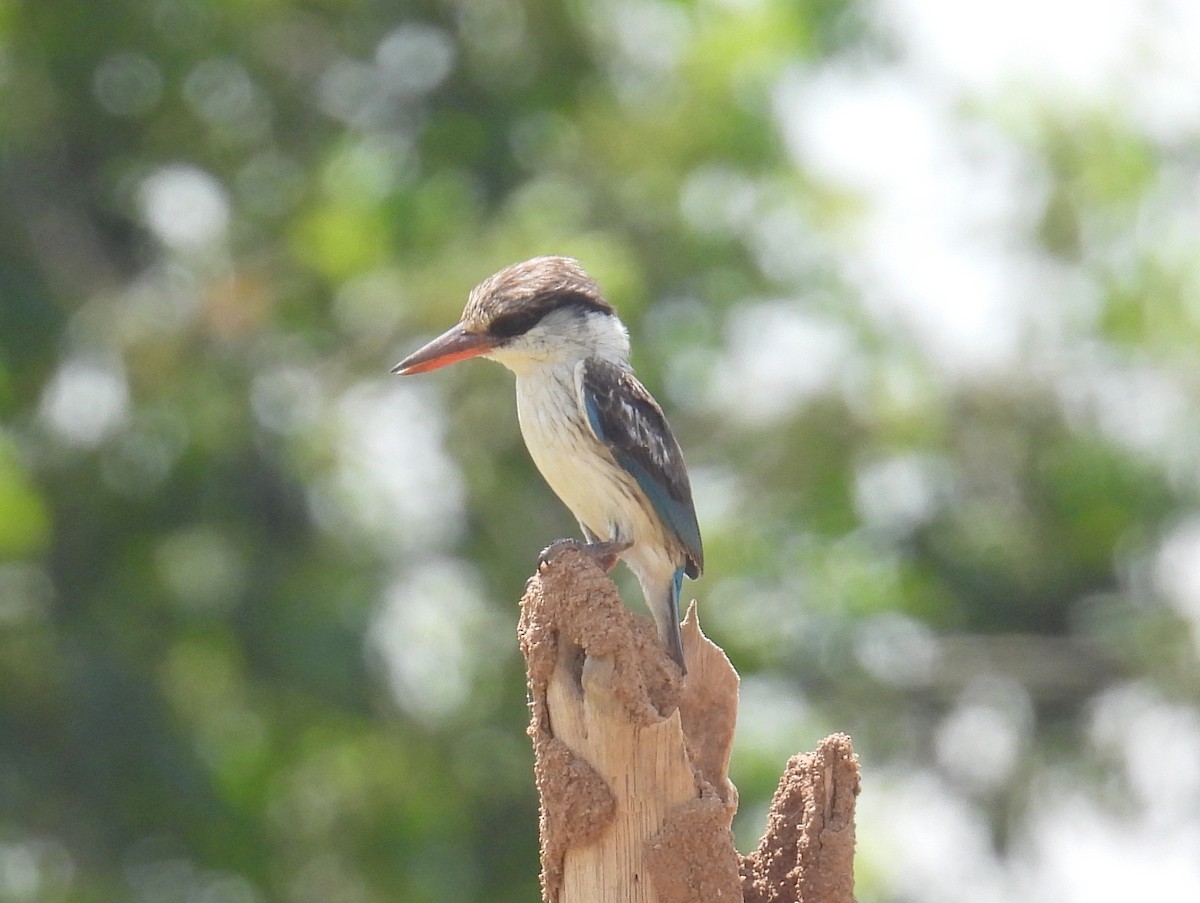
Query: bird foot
point(605, 554)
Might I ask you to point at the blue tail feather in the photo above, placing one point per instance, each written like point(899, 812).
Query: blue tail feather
point(674, 638)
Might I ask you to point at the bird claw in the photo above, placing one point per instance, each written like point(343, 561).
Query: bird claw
point(556, 548)
point(605, 554)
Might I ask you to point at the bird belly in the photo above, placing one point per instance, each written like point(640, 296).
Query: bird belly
point(603, 496)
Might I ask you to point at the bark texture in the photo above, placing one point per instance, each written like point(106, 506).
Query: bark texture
point(631, 763)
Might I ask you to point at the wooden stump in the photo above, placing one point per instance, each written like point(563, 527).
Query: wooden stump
point(631, 764)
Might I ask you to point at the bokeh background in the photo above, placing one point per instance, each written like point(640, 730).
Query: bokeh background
point(917, 282)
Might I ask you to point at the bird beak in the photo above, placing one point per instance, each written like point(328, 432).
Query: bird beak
point(452, 346)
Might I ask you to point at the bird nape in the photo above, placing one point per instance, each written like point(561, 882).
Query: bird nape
point(595, 433)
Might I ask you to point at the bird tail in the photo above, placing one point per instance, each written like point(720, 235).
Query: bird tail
point(668, 630)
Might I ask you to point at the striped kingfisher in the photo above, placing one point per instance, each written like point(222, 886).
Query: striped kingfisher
point(597, 436)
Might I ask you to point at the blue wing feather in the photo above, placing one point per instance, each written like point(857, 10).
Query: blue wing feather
point(627, 419)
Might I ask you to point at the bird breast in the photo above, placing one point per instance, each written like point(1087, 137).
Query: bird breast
point(577, 466)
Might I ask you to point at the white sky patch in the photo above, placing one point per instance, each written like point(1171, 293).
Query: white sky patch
point(647, 35)
point(432, 634)
point(931, 844)
point(87, 400)
point(1177, 572)
point(1072, 48)
point(1165, 96)
point(185, 206)
point(777, 357)
point(1076, 847)
point(1081, 853)
point(35, 868)
point(901, 492)
point(1168, 222)
point(1138, 56)
point(980, 741)
point(897, 649)
point(943, 250)
point(1157, 744)
point(393, 480)
point(760, 613)
point(650, 34)
point(415, 58)
point(772, 717)
point(350, 90)
point(1139, 406)
point(933, 252)
point(860, 129)
point(718, 494)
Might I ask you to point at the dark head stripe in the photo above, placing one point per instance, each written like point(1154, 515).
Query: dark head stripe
point(519, 322)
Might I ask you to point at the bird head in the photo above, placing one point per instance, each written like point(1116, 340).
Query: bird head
point(544, 310)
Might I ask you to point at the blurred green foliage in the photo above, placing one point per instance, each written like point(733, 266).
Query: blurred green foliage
point(257, 599)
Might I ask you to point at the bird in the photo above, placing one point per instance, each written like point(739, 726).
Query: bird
point(595, 433)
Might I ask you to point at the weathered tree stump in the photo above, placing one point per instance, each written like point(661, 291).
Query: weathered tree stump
point(631, 764)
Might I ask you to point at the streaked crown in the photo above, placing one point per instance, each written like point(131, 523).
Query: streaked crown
point(515, 299)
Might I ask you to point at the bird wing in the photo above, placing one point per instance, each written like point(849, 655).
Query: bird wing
point(626, 418)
